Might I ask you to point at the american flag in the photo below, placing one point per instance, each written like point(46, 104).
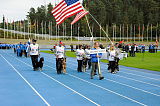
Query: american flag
point(79, 16)
point(66, 9)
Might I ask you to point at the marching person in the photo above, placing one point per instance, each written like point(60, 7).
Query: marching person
point(79, 54)
point(111, 59)
point(117, 57)
point(21, 48)
point(34, 53)
point(88, 56)
point(95, 61)
point(25, 49)
point(59, 53)
point(18, 50)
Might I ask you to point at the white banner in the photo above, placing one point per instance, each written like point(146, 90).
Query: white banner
point(97, 51)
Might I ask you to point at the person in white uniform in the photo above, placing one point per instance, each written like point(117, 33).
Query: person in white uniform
point(79, 54)
point(111, 59)
point(34, 53)
point(59, 52)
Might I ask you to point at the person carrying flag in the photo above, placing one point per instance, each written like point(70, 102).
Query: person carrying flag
point(95, 61)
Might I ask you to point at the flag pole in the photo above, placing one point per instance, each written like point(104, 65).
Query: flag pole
point(115, 33)
point(123, 32)
point(151, 32)
point(4, 30)
point(143, 33)
point(11, 28)
point(24, 29)
point(78, 32)
point(42, 30)
point(134, 32)
point(91, 32)
point(157, 32)
point(147, 32)
point(56, 32)
point(130, 36)
point(101, 28)
point(120, 28)
point(65, 31)
point(71, 33)
point(139, 28)
point(100, 33)
point(17, 29)
point(7, 27)
point(127, 32)
point(45, 29)
point(50, 30)
point(28, 28)
point(35, 29)
point(21, 29)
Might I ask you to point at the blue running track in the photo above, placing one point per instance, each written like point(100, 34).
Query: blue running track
point(20, 86)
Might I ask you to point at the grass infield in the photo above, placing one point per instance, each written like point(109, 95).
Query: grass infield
point(149, 61)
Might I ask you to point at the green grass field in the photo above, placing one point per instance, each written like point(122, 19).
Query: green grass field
point(150, 61)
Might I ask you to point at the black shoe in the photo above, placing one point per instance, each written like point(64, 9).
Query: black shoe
point(95, 74)
point(101, 78)
point(91, 77)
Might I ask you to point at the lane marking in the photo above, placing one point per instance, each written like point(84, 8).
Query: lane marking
point(62, 84)
point(124, 84)
point(134, 80)
point(26, 81)
point(104, 88)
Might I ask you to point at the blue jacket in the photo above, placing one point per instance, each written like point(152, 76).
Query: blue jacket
point(94, 59)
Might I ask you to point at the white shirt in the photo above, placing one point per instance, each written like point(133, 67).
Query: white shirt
point(79, 54)
point(87, 53)
point(34, 49)
point(129, 48)
point(59, 51)
point(112, 55)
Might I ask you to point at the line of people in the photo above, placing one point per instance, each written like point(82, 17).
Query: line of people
point(21, 49)
point(84, 58)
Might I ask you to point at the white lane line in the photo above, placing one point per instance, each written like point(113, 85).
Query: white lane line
point(109, 90)
point(70, 88)
point(62, 84)
point(138, 75)
point(97, 86)
point(127, 85)
point(104, 88)
point(26, 81)
point(141, 76)
point(136, 80)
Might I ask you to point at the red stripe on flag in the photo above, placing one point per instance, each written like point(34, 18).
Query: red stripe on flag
point(79, 16)
point(68, 17)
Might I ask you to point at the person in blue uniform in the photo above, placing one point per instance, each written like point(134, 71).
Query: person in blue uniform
point(25, 46)
point(95, 61)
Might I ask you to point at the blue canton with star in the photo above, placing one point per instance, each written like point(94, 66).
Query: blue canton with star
point(70, 2)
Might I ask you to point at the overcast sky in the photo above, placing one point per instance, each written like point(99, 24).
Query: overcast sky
point(17, 9)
